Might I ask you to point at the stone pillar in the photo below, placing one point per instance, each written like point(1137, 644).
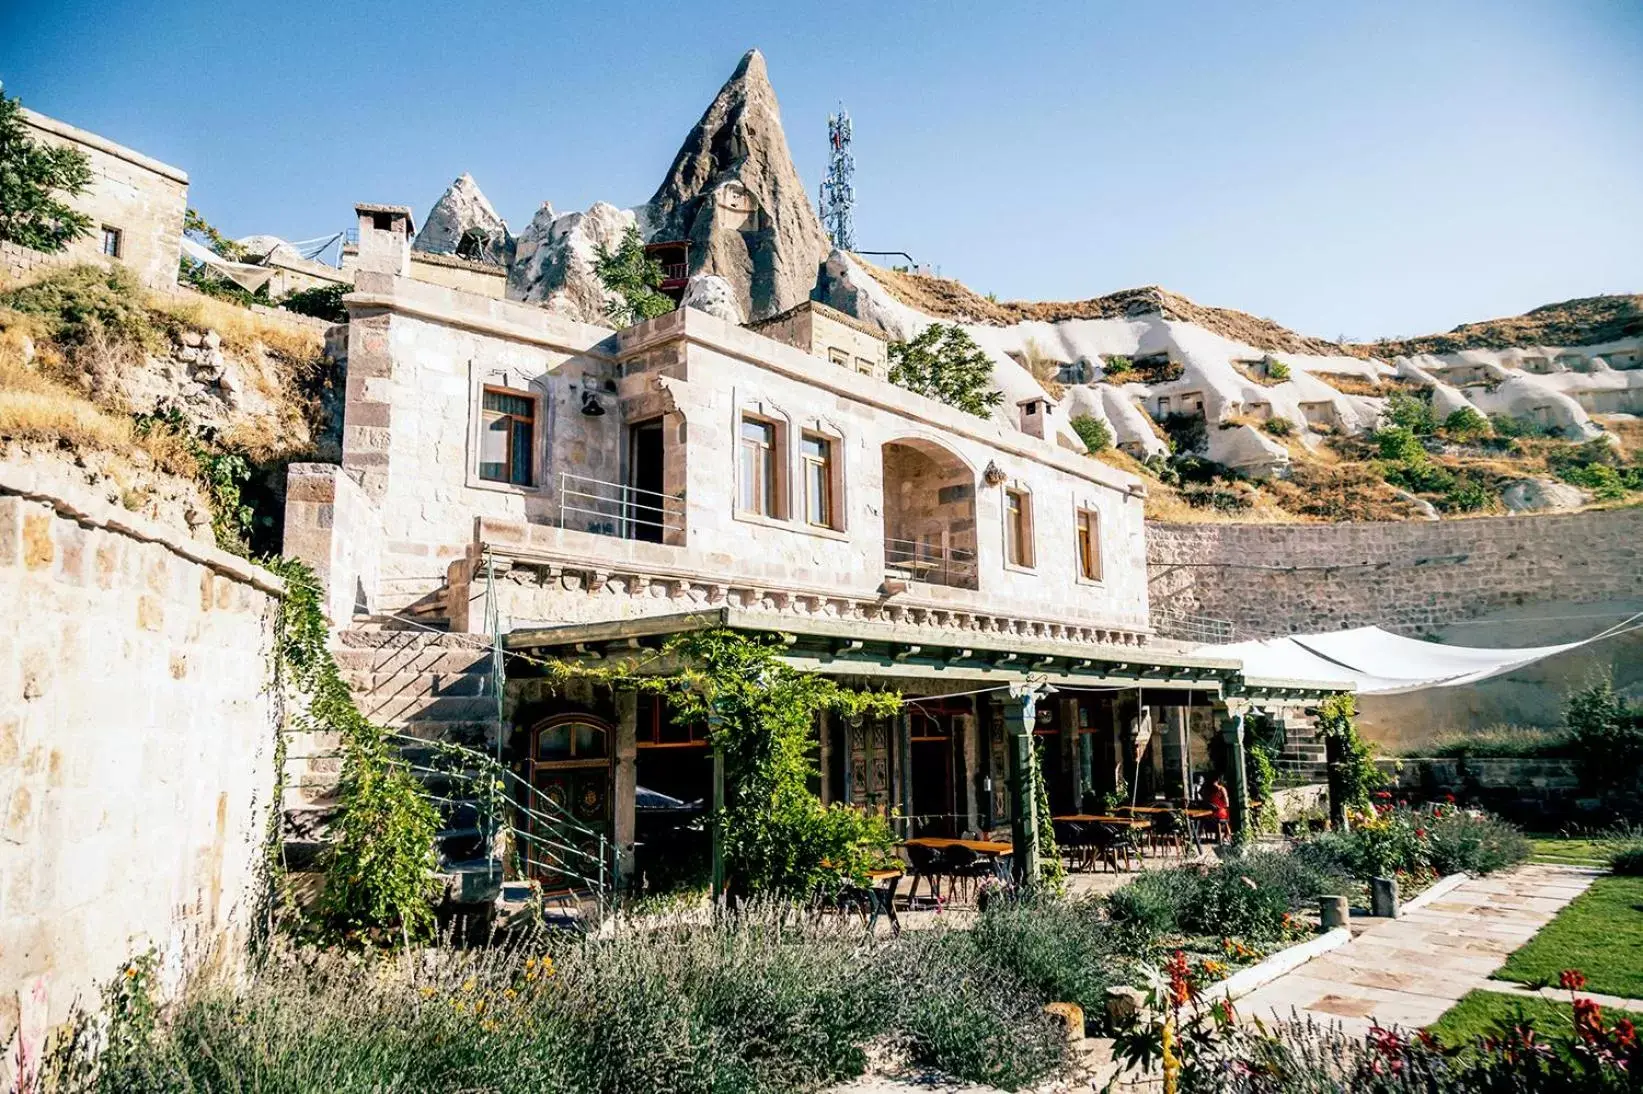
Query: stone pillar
point(969, 734)
point(714, 721)
point(1019, 714)
point(1232, 730)
point(624, 794)
point(1383, 897)
point(1333, 912)
point(902, 742)
point(824, 755)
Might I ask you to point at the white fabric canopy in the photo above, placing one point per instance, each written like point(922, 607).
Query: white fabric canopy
point(1378, 662)
point(244, 274)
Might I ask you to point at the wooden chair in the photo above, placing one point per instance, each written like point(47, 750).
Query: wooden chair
point(924, 863)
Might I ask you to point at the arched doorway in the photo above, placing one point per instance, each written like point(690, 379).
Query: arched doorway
point(929, 515)
point(570, 770)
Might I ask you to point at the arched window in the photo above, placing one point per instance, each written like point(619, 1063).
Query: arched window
point(570, 740)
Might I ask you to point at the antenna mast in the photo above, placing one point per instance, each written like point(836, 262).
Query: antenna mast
point(838, 192)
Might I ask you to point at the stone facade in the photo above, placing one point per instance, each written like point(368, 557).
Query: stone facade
point(140, 199)
point(422, 357)
point(831, 335)
point(136, 750)
point(1272, 579)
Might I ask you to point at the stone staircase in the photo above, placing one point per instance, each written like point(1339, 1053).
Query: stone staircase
point(428, 685)
point(1303, 757)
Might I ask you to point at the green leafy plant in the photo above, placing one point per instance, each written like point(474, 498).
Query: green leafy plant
point(1606, 734)
point(1261, 774)
point(944, 363)
point(1117, 370)
point(32, 176)
point(380, 861)
point(321, 302)
point(1466, 495)
point(635, 279)
point(1278, 427)
point(759, 711)
point(1353, 776)
point(1465, 424)
point(1096, 434)
point(1400, 444)
point(1411, 411)
point(1276, 370)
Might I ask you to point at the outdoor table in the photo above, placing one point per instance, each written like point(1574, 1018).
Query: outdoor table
point(993, 849)
point(1105, 818)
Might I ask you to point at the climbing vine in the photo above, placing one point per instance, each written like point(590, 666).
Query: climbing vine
point(1052, 872)
point(1353, 775)
point(380, 860)
point(1262, 774)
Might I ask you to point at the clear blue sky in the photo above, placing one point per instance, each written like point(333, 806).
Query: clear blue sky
point(1369, 168)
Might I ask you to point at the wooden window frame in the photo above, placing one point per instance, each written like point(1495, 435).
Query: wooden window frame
point(484, 417)
point(119, 238)
point(1087, 529)
point(1019, 552)
point(774, 495)
point(827, 462)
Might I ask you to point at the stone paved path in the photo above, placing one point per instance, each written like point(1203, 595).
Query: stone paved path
point(1408, 971)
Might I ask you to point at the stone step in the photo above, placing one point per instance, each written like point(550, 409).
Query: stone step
point(386, 659)
point(379, 640)
point(399, 711)
point(431, 684)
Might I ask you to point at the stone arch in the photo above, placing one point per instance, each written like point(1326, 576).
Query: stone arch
point(929, 507)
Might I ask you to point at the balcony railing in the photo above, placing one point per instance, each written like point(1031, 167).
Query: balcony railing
point(1186, 627)
point(617, 509)
point(676, 271)
point(932, 562)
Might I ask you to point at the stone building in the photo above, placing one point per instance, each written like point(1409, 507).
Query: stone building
point(136, 205)
point(569, 493)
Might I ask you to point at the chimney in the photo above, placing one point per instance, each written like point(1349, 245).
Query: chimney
point(385, 233)
point(1035, 417)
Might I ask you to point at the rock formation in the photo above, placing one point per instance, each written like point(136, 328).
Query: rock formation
point(554, 260)
point(734, 193)
point(714, 295)
point(463, 223)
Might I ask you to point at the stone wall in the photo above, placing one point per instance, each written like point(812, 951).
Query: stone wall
point(332, 526)
point(1414, 577)
point(136, 749)
point(142, 198)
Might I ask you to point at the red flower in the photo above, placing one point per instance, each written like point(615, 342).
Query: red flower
point(1588, 1019)
point(1420, 833)
point(1571, 979)
point(1450, 798)
point(1180, 978)
point(1624, 1033)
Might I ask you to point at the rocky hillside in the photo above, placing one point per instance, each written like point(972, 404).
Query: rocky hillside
point(180, 407)
point(1589, 320)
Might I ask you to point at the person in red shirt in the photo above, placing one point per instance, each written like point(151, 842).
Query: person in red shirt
point(1216, 798)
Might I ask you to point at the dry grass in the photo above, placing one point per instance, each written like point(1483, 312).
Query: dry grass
point(37, 408)
point(242, 330)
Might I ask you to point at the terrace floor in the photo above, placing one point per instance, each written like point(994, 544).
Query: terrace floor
point(1408, 971)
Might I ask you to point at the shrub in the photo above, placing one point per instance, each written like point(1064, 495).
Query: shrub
point(33, 176)
point(79, 302)
point(1411, 412)
point(1466, 495)
point(632, 279)
point(1278, 427)
point(1606, 483)
point(1062, 950)
point(1606, 734)
point(1438, 837)
point(1465, 424)
point(1277, 370)
point(1628, 861)
point(1152, 902)
point(1231, 904)
point(1476, 843)
point(1117, 370)
point(1096, 434)
point(1399, 443)
point(1245, 897)
point(321, 302)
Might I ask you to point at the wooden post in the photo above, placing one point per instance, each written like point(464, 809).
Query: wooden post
point(1019, 714)
point(903, 743)
point(1186, 752)
point(625, 795)
point(1237, 784)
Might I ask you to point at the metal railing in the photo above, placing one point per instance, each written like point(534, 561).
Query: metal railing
point(1186, 627)
point(616, 509)
point(934, 563)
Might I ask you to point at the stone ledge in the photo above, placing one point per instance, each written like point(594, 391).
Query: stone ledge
point(1440, 889)
point(1244, 981)
point(24, 483)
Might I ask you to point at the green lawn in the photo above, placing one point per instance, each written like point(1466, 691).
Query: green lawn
point(1479, 1013)
point(1570, 852)
point(1600, 933)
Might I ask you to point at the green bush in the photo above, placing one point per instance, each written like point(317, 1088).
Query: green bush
point(1457, 841)
point(1399, 443)
point(1466, 495)
point(321, 302)
point(80, 302)
point(1096, 434)
point(1411, 412)
point(1278, 427)
point(1465, 424)
point(1117, 370)
point(1062, 950)
point(1277, 370)
point(1244, 897)
point(1627, 861)
point(1606, 735)
point(1438, 837)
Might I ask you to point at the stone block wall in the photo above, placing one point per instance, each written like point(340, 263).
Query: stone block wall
point(137, 750)
point(141, 197)
point(1414, 577)
point(332, 526)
